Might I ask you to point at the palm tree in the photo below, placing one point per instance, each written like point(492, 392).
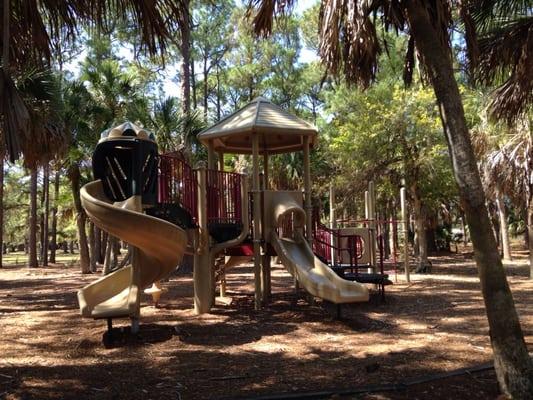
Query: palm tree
point(166, 123)
point(32, 27)
point(509, 168)
point(40, 93)
point(349, 45)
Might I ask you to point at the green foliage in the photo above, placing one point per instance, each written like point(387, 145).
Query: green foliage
point(388, 134)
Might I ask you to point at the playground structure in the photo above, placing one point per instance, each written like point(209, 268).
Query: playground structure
point(209, 213)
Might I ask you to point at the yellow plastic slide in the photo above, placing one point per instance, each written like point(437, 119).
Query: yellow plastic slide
point(297, 256)
point(160, 246)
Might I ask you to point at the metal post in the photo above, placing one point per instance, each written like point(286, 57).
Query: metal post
point(332, 223)
point(405, 229)
point(373, 225)
point(257, 220)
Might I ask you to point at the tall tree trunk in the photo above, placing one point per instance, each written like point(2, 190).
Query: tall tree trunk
point(32, 240)
point(5, 71)
point(205, 87)
point(504, 228)
point(75, 176)
point(53, 233)
point(218, 94)
point(185, 68)
point(46, 212)
point(1, 206)
point(512, 363)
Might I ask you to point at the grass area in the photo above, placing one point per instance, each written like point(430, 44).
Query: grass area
point(20, 258)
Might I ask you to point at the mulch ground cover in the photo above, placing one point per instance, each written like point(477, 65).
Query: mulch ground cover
point(395, 349)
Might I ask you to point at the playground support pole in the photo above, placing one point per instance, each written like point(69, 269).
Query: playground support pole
point(367, 205)
point(307, 190)
point(405, 229)
point(223, 274)
point(211, 162)
point(203, 270)
point(332, 222)
point(266, 259)
point(136, 272)
point(265, 171)
point(257, 220)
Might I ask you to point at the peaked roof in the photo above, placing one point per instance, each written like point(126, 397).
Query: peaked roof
point(280, 131)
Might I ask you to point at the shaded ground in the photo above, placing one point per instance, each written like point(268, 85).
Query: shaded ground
point(433, 325)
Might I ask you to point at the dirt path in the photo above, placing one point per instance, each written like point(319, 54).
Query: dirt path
point(435, 324)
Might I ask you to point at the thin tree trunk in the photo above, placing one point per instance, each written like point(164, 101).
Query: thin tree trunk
point(97, 245)
point(103, 248)
point(32, 240)
point(92, 247)
point(75, 175)
point(218, 94)
point(1, 206)
point(530, 235)
point(512, 363)
point(463, 229)
point(46, 212)
point(193, 82)
point(186, 60)
point(205, 87)
point(109, 256)
point(115, 251)
point(504, 228)
point(420, 230)
point(53, 233)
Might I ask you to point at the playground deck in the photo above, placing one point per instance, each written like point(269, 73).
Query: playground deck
point(434, 325)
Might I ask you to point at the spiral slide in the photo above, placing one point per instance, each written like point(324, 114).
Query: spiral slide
point(297, 256)
point(160, 246)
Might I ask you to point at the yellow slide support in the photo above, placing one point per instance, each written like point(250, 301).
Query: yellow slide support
point(160, 246)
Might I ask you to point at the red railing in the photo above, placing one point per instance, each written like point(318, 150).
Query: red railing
point(224, 197)
point(323, 244)
point(177, 184)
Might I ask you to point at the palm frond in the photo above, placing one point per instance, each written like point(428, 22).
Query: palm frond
point(16, 118)
point(36, 24)
point(486, 13)
point(348, 39)
point(267, 10)
point(505, 42)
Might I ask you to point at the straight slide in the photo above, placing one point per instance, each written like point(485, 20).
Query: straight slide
point(160, 246)
point(297, 256)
